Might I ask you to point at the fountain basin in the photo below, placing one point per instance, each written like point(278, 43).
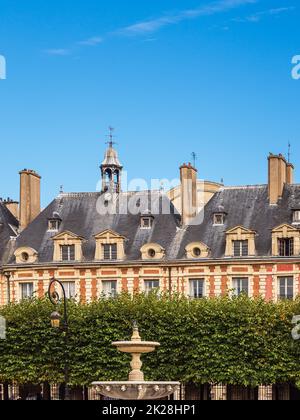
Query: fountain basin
point(139, 347)
point(136, 390)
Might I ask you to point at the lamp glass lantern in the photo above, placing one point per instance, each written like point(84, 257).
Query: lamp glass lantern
point(55, 319)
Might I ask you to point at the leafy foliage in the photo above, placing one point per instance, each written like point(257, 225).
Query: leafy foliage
point(224, 340)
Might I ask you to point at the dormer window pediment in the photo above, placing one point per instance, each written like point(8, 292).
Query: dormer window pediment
point(285, 241)
point(240, 242)
point(110, 246)
point(67, 247)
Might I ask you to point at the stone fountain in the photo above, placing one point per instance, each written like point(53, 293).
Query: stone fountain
point(136, 388)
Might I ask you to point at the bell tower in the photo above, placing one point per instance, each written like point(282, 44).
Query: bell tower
point(111, 168)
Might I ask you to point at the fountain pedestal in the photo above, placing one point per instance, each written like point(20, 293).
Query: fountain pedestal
point(136, 388)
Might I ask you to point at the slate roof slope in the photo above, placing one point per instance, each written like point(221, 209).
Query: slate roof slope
point(8, 227)
point(79, 215)
point(246, 206)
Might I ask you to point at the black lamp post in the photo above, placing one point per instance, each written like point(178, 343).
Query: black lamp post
point(56, 319)
point(8, 277)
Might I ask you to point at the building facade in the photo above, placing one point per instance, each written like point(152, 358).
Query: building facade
point(242, 240)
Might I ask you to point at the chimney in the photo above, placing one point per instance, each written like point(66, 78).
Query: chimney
point(30, 197)
point(278, 172)
point(13, 207)
point(188, 176)
point(290, 173)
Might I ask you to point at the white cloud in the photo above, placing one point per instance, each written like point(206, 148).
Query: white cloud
point(257, 17)
point(91, 42)
point(58, 51)
point(171, 19)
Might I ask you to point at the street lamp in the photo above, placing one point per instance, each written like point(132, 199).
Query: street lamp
point(56, 319)
point(8, 277)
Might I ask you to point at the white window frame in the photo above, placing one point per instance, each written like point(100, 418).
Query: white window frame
point(147, 283)
point(191, 283)
point(110, 251)
point(52, 229)
point(236, 291)
point(296, 217)
point(28, 296)
point(112, 293)
point(241, 241)
point(279, 278)
point(215, 219)
point(149, 219)
point(69, 253)
point(67, 286)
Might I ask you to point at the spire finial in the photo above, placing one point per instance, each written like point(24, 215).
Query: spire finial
point(111, 137)
point(194, 157)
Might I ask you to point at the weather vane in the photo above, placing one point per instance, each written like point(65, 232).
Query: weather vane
point(289, 152)
point(194, 157)
point(111, 137)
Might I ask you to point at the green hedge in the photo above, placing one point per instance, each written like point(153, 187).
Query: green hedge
point(233, 341)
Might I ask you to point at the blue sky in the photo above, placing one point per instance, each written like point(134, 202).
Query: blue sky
point(172, 77)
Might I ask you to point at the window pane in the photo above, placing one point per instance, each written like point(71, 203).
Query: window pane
point(110, 251)
point(286, 288)
point(68, 252)
point(197, 288)
point(240, 285)
point(114, 253)
point(26, 290)
point(109, 288)
point(151, 285)
point(245, 248)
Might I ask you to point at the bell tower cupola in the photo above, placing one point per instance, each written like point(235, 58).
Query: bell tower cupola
point(111, 168)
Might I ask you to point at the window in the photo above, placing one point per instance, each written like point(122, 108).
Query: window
point(25, 256)
point(151, 285)
point(240, 248)
point(240, 286)
point(146, 222)
point(53, 225)
point(197, 252)
point(219, 219)
point(286, 288)
point(151, 253)
point(26, 290)
point(69, 289)
point(286, 247)
point(110, 252)
point(109, 288)
point(196, 288)
point(296, 216)
point(67, 252)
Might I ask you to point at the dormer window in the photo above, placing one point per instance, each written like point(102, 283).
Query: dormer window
point(67, 252)
point(219, 219)
point(54, 223)
point(110, 252)
point(296, 217)
point(146, 222)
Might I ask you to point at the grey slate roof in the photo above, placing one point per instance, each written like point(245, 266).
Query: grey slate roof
point(246, 206)
point(8, 227)
point(79, 215)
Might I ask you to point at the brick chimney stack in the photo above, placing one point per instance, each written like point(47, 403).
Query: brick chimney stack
point(30, 197)
point(280, 173)
point(188, 176)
